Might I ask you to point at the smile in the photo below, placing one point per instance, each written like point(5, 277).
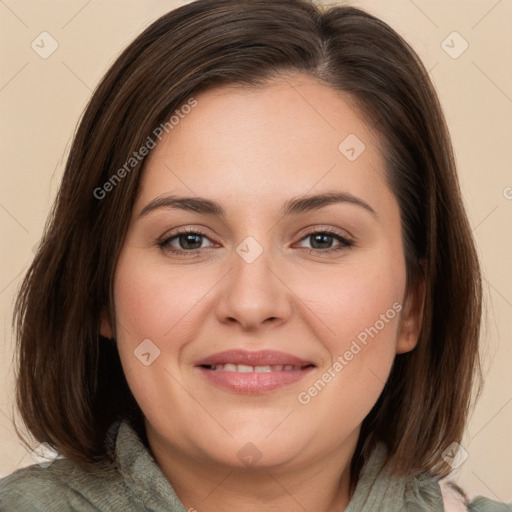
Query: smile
point(252, 373)
point(244, 368)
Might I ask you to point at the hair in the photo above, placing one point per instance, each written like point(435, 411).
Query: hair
point(70, 384)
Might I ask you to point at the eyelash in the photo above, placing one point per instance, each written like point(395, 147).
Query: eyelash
point(345, 243)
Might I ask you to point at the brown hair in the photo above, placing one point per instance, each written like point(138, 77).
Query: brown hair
point(70, 383)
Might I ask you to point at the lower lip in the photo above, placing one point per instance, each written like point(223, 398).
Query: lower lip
point(254, 382)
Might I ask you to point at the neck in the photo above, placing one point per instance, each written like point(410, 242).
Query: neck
point(322, 484)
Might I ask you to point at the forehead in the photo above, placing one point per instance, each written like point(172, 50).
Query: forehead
point(285, 138)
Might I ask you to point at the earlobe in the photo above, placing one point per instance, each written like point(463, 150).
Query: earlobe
point(105, 327)
point(412, 317)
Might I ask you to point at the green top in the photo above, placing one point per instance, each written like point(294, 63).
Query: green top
point(136, 484)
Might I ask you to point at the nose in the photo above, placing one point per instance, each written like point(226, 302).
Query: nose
point(254, 293)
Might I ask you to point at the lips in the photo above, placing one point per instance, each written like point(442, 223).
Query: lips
point(261, 358)
point(253, 372)
point(245, 368)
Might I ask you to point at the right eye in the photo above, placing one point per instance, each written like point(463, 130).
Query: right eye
point(185, 242)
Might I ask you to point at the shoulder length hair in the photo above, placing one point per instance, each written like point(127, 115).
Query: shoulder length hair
point(70, 383)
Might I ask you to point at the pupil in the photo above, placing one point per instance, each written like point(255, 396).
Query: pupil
point(322, 239)
point(185, 241)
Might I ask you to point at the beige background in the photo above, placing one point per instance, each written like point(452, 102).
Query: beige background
point(41, 101)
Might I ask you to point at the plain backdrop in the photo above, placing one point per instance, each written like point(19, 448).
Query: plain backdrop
point(41, 100)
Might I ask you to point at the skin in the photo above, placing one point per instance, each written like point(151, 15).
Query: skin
point(251, 151)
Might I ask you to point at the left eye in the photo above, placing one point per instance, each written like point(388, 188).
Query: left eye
point(325, 239)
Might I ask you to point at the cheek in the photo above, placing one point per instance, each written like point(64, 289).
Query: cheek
point(362, 309)
point(354, 299)
point(152, 302)
point(153, 306)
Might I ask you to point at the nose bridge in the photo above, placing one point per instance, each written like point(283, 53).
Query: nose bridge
point(253, 293)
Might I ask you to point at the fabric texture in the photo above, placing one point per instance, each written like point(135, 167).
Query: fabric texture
point(135, 483)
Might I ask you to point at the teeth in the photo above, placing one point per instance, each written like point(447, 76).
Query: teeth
point(263, 369)
point(244, 368)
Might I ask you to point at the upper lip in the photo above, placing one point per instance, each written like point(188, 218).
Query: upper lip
point(259, 358)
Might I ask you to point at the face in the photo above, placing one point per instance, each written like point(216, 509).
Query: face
point(269, 317)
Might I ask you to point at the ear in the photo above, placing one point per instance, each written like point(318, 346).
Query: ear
point(105, 327)
point(412, 316)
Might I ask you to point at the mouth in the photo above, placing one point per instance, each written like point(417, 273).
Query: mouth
point(247, 372)
point(244, 368)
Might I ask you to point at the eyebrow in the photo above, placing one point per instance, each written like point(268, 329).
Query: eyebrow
point(295, 206)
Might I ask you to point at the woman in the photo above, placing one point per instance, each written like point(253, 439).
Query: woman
point(258, 288)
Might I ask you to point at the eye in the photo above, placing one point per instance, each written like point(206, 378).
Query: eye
point(187, 241)
point(323, 241)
